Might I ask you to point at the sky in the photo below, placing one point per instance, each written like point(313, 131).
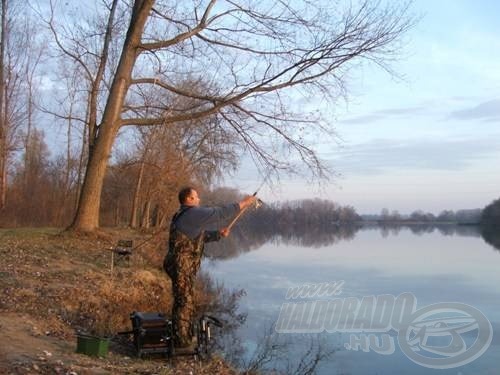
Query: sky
point(428, 139)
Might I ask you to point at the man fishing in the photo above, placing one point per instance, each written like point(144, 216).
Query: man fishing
point(192, 226)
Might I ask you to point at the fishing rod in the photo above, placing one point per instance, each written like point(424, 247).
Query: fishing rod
point(258, 202)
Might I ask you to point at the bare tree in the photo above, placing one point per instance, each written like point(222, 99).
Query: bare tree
point(19, 58)
point(72, 112)
point(33, 55)
point(31, 190)
point(193, 152)
point(83, 44)
point(254, 61)
point(88, 48)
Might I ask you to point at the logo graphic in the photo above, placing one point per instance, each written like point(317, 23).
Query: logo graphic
point(441, 336)
point(445, 322)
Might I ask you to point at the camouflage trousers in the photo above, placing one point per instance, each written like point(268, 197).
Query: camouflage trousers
point(182, 264)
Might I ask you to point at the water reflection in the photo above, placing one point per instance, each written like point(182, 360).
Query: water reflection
point(491, 237)
point(436, 263)
point(243, 240)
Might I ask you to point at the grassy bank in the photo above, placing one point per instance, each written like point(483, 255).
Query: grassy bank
point(53, 284)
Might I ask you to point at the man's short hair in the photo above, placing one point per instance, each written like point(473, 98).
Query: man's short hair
point(184, 193)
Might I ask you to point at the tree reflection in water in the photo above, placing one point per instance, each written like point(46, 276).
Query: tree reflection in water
point(272, 352)
point(245, 238)
point(491, 237)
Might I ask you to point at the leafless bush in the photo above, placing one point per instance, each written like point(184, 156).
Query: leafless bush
point(284, 354)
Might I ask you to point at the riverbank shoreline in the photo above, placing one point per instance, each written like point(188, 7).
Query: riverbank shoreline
point(55, 283)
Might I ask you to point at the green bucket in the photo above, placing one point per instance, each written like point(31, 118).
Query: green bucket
point(92, 345)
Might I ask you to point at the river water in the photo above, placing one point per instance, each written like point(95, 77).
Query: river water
point(456, 271)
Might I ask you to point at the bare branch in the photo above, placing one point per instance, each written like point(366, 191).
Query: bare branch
point(174, 89)
point(183, 36)
point(75, 57)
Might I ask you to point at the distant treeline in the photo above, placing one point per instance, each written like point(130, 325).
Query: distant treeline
point(490, 219)
point(490, 223)
point(318, 223)
point(466, 216)
point(309, 222)
point(288, 215)
point(296, 215)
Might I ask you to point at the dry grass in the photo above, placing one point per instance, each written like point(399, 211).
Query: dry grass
point(55, 283)
point(103, 308)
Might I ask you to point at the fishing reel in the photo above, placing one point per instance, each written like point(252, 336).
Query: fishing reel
point(258, 203)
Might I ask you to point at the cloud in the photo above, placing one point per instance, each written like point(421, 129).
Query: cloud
point(385, 114)
point(409, 111)
point(487, 111)
point(362, 119)
point(376, 156)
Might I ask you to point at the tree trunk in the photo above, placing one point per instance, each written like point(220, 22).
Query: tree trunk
point(95, 87)
point(3, 117)
point(5, 139)
point(80, 169)
point(62, 209)
point(135, 203)
point(28, 135)
point(3, 174)
point(117, 215)
point(87, 215)
point(155, 216)
point(145, 222)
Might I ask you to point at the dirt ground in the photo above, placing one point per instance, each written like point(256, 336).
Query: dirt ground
point(54, 283)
